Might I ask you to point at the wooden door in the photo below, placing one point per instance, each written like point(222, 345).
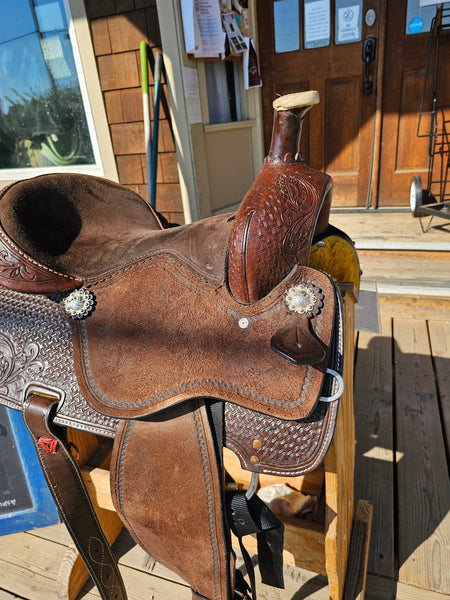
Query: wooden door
point(403, 153)
point(338, 134)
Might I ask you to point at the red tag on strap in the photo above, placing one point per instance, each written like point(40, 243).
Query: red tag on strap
point(49, 444)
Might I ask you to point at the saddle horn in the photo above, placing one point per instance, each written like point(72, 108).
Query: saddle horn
point(275, 223)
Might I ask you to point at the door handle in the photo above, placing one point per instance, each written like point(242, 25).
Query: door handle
point(368, 55)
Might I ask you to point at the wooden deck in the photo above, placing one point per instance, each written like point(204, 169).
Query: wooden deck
point(402, 417)
point(402, 414)
point(397, 255)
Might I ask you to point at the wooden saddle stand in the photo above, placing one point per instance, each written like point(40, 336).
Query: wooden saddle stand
point(176, 343)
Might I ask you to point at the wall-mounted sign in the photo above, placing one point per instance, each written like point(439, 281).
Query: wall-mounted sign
point(317, 23)
point(192, 95)
point(415, 25)
point(202, 25)
point(233, 32)
point(252, 76)
point(348, 24)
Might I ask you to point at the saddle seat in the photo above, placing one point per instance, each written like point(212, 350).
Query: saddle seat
point(72, 230)
point(87, 229)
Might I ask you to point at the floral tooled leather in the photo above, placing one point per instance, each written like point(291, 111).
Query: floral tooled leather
point(20, 273)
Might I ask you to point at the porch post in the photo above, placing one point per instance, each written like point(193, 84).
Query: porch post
point(172, 46)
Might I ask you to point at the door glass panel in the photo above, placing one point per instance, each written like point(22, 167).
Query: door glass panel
point(418, 18)
point(348, 20)
point(287, 25)
point(317, 23)
point(43, 121)
point(222, 88)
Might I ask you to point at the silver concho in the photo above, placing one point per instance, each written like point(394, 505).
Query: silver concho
point(79, 303)
point(300, 299)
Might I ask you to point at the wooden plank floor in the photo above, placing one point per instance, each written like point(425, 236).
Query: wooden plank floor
point(391, 230)
point(401, 412)
point(396, 254)
point(402, 415)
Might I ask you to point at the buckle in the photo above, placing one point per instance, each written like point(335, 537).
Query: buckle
point(340, 387)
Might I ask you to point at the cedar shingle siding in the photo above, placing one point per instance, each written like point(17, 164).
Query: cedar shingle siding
point(118, 26)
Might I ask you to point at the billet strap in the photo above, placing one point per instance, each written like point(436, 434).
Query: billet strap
point(70, 495)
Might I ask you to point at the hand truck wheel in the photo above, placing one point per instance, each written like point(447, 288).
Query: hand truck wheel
point(416, 195)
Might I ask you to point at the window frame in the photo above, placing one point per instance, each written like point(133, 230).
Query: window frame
point(88, 78)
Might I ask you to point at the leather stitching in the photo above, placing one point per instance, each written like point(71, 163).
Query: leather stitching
point(10, 245)
point(209, 499)
point(262, 399)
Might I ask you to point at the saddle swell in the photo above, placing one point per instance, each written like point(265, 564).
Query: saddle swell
point(286, 206)
point(210, 334)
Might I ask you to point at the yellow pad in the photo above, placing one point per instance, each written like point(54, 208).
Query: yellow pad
point(337, 258)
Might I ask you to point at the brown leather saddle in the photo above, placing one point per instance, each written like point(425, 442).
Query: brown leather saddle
point(175, 342)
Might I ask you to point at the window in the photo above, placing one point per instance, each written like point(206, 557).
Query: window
point(223, 90)
point(287, 25)
point(418, 18)
point(45, 120)
point(316, 23)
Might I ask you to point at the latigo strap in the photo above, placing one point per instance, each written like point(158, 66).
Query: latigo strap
point(70, 495)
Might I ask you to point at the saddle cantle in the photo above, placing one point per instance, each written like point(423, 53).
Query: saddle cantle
point(176, 342)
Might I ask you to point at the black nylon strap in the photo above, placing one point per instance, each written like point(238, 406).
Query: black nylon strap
point(70, 495)
point(248, 516)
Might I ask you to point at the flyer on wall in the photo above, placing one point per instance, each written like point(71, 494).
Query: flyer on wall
point(202, 25)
